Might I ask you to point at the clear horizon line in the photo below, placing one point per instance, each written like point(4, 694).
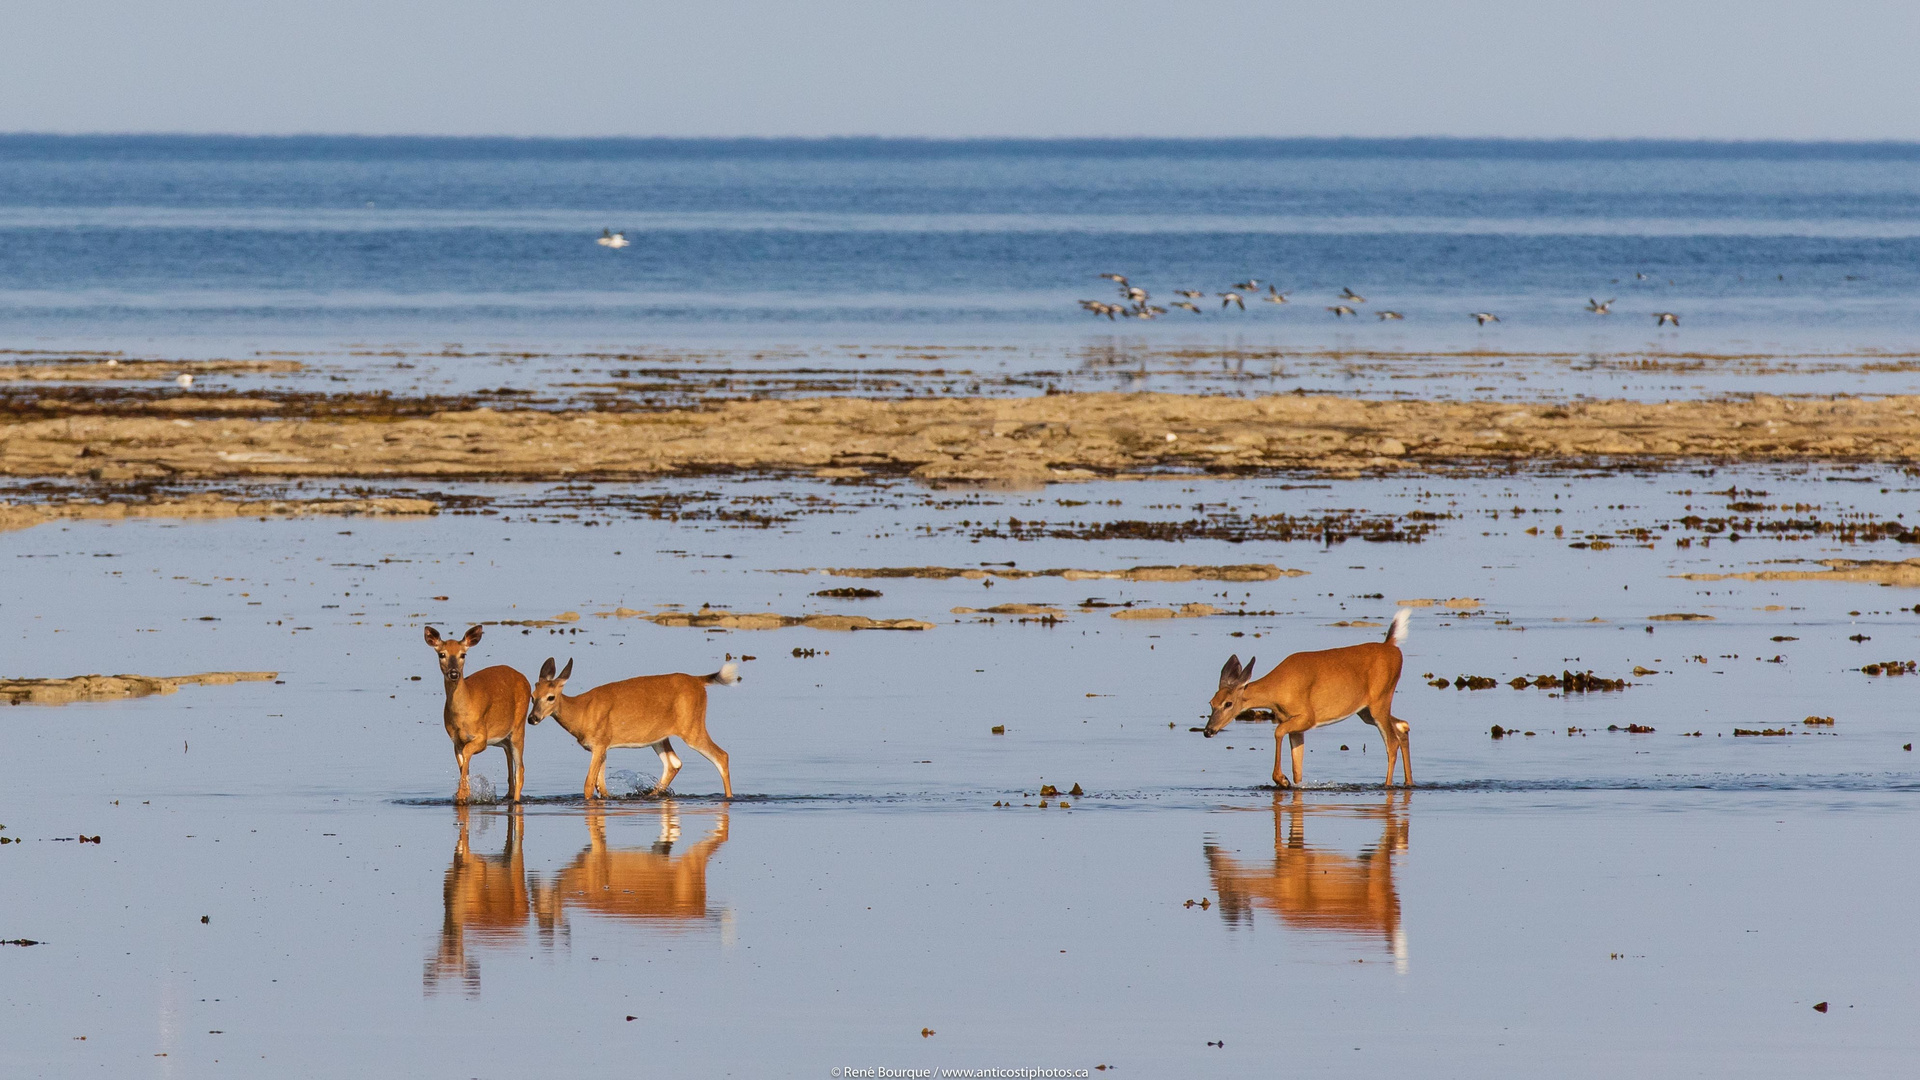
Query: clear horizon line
point(858, 137)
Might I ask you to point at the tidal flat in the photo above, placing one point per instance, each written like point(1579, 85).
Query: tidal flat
point(282, 884)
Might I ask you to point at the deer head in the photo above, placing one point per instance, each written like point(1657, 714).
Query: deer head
point(1228, 701)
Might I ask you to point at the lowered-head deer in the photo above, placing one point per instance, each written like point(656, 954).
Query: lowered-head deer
point(647, 711)
point(1309, 689)
point(487, 708)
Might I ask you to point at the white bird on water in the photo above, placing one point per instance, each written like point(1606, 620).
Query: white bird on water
point(609, 238)
point(184, 382)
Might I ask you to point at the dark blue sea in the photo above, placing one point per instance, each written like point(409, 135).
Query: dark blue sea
point(207, 245)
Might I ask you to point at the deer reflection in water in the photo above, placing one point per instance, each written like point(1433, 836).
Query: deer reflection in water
point(491, 900)
point(486, 897)
point(1316, 888)
point(633, 883)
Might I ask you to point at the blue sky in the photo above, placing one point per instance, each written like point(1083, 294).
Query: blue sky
point(1760, 69)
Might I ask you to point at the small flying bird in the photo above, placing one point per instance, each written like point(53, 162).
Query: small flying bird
point(1599, 308)
point(1485, 317)
point(1274, 296)
point(1342, 309)
point(1134, 293)
point(1188, 305)
point(1349, 294)
point(612, 239)
point(1663, 318)
point(1117, 279)
point(1638, 276)
point(1098, 307)
point(1233, 298)
point(1191, 294)
point(184, 382)
point(1248, 285)
point(1386, 315)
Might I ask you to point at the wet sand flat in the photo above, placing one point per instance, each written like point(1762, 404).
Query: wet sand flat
point(1582, 896)
point(1061, 437)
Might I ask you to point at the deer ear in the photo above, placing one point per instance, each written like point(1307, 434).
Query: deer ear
point(433, 637)
point(1230, 674)
point(1246, 673)
point(567, 672)
point(546, 670)
point(472, 636)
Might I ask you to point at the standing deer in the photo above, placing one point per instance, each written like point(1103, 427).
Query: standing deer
point(646, 711)
point(487, 708)
point(1310, 689)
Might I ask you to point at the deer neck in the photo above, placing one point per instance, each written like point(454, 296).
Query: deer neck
point(456, 691)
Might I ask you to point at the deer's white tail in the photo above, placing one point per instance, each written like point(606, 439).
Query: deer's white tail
point(1397, 633)
point(728, 674)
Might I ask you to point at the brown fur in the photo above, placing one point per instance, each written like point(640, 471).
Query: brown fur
point(1316, 888)
point(487, 708)
point(645, 711)
point(1309, 689)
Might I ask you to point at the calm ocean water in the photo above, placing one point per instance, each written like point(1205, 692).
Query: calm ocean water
point(195, 245)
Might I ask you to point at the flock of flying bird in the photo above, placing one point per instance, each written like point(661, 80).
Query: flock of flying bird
point(1135, 303)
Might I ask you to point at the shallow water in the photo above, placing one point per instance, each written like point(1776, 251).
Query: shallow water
point(1558, 903)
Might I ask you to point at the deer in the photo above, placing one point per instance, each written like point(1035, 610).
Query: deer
point(487, 708)
point(1315, 888)
point(486, 897)
point(1311, 689)
point(646, 711)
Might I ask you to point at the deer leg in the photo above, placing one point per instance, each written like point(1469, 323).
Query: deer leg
point(464, 754)
point(1298, 741)
point(513, 770)
point(669, 765)
point(1406, 753)
point(594, 768)
point(700, 741)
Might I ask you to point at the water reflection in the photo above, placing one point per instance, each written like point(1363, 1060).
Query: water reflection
point(1319, 888)
point(492, 899)
point(650, 883)
point(485, 900)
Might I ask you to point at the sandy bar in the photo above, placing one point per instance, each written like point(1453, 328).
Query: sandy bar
point(27, 515)
point(1062, 437)
point(116, 687)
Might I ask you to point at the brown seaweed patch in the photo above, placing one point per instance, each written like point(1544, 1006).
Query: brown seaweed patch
point(1878, 571)
point(1236, 572)
point(116, 687)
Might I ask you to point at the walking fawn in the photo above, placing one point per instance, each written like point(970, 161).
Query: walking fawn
point(646, 711)
point(1310, 689)
point(487, 708)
